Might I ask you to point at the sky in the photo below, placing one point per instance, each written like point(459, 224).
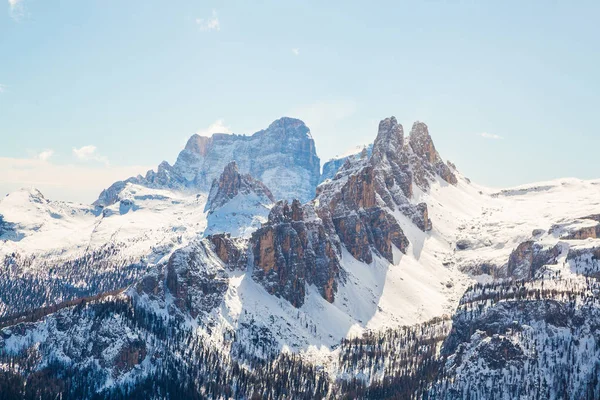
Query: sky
point(99, 90)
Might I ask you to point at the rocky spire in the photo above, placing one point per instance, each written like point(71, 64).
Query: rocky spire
point(428, 161)
point(390, 139)
point(164, 175)
point(421, 143)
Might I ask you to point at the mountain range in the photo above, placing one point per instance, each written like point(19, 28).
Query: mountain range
point(246, 271)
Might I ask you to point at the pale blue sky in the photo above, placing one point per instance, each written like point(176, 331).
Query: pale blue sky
point(132, 80)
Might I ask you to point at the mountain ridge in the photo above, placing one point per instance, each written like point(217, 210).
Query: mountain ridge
point(395, 250)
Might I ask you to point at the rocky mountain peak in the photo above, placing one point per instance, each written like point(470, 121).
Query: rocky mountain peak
point(231, 169)
point(285, 212)
point(198, 144)
point(231, 183)
point(289, 127)
point(390, 137)
point(425, 161)
point(283, 157)
point(421, 143)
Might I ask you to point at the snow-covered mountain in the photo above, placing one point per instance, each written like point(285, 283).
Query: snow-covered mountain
point(399, 278)
point(56, 251)
point(283, 157)
point(237, 204)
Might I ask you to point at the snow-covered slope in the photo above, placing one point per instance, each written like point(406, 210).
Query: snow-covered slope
point(237, 204)
point(55, 251)
point(395, 237)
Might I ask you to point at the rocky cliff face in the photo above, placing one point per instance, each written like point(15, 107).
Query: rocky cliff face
point(588, 232)
point(300, 245)
point(528, 258)
point(361, 199)
point(196, 283)
point(283, 157)
point(427, 161)
point(358, 208)
point(293, 250)
point(231, 250)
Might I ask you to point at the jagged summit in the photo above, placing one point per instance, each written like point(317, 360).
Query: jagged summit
point(283, 157)
point(428, 162)
point(232, 183)
point(237, 203)
point(288, 127)
point(198, 144)
point(302, 244)
point(390, 137)
point(417, 153)
point(421, 142)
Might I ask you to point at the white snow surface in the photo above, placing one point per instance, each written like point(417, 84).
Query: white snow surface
point(143, 221)
point(424, 283)
point(240, 216)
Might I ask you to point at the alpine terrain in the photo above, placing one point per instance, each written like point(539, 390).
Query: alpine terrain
point(246, 271)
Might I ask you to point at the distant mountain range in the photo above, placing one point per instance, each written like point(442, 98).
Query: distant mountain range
point(244, 271)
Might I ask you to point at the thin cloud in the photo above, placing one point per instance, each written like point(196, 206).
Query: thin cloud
point(216, 127)
point(296, 51)
point(45, 155)
point(210, 24)
point(2, 88)
point(486, 135)
point(16, 9)
point(88, 153)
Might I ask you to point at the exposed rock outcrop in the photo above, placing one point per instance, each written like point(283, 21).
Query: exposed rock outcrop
point(588, 232)
point(366, 230)
point(237, 204)
point(292, 250)
point(232, 183)
point(528, 258)
point(363, 196)
point(427, 162)
point(131, 354)
point(231, 250)
point(196, 279)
